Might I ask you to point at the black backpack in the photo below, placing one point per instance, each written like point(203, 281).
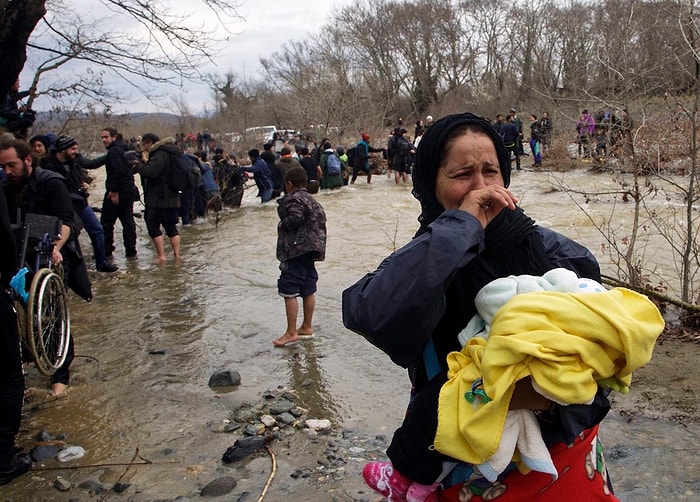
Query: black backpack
point(181, 174)
point(351, 155)
point(404, 147)
point(358, 160)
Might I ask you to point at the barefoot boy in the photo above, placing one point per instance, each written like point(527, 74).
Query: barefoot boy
point(301, 241)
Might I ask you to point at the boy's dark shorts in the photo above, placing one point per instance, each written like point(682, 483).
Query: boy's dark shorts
point(298, 277)
point(157, 216)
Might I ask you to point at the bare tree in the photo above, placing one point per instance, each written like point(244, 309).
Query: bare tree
point(134, 42)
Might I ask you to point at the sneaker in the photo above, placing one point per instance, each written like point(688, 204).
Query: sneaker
point(107, 267)
point(422, 493)
point(20, 464)
point(383, 478)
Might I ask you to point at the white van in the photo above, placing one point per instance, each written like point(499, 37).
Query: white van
point(260, 133)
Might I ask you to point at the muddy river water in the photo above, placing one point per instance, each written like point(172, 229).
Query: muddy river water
point(153, 335)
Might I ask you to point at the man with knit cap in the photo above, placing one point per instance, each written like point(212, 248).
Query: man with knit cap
point(67, 162)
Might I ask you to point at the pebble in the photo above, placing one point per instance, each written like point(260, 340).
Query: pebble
point(218, 487)
point(280, 407)
point(121, 487)
point(318, 424)
point(43, 436)
point(298, 411)
point(268, 420)
point(286, 418)
point(70, 453)
point(253, 430)
point(62, 484)
point(92, 486)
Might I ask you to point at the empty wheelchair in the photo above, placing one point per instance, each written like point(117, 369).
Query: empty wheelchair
point(42, 310)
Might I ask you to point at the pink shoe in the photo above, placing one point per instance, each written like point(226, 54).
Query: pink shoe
point(383, 478)
point(422, 493)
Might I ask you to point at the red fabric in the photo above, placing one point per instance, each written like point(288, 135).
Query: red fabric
point(582, 477)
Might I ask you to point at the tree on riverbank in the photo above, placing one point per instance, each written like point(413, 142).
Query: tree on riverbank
point(135, 43)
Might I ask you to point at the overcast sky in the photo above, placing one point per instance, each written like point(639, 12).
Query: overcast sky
point(267, 25)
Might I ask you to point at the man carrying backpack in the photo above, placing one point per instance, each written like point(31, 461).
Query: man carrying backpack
point(331, 167)
point(162, 202)
point(402, 156)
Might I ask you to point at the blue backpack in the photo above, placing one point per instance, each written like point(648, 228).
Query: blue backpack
point(333, 164)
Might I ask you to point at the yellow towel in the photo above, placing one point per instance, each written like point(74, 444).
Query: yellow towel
point(565, 341)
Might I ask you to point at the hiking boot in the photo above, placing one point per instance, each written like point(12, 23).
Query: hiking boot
point(383, 478)
point(20, 464)
point(107, 267)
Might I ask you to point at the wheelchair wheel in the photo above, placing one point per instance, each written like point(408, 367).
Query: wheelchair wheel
point(47, 324)
point(21, 313)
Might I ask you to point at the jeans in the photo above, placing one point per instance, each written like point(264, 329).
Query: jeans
point(97, 235)
point(125, 212)
point(266, 195)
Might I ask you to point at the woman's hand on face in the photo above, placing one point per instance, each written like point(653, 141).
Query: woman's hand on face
point(485, 203)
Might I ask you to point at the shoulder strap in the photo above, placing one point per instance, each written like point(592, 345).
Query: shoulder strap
point(430, 359)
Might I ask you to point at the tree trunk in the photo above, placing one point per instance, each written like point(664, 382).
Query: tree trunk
point(18, 18)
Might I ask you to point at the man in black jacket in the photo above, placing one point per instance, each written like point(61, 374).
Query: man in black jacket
point(162, 202)
point(64, 161)
point(120, 196)
point(38, 191)
point(11, 375)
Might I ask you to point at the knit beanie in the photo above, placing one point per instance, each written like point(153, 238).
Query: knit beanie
point(64, 143)
point(43, 139)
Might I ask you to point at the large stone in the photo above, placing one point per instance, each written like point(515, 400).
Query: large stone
point(225, 378)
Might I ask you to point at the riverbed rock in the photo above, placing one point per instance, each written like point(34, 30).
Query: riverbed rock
point(121, 487)
point(62, 484)
point(319, 425)
point(242, 448)
point(218, 487)
point(44, 451)
point(298, 411)
point(93, 486)
point(225, 378)
point(286, 418)
point(253, 430)
point(268, 420)
point(43, 436)
point(281, 406)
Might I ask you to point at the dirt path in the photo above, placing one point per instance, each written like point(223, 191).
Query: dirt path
point(666, 388)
